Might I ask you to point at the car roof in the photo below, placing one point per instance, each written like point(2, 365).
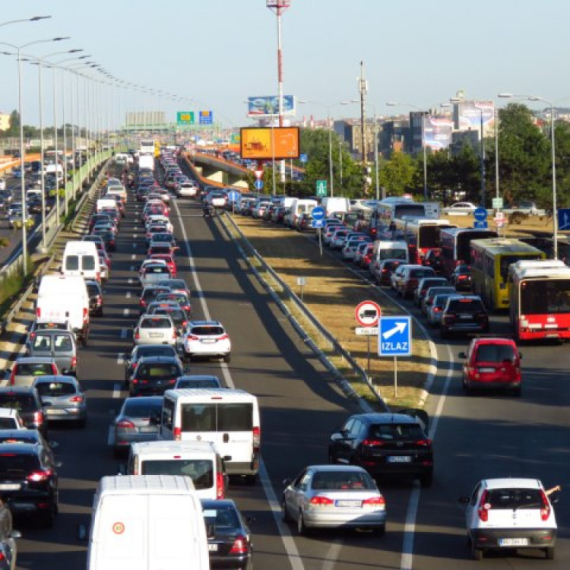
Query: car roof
point(159, 359)
point(55, 378)
point(35, 360)
point(8, 412)
point(336, 468)
point(493, 340)
point(218, 504)
point(19, 448)
point(17, 390)
point(387, 418)
point(512, 483)
point(205, 323)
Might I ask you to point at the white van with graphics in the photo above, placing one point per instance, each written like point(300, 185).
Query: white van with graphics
point(227, 418)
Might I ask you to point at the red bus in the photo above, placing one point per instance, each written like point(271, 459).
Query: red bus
point(421, 235)
point(455, 246)
point(540, 299)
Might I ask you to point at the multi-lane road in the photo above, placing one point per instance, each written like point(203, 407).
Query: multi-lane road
point(475, 437)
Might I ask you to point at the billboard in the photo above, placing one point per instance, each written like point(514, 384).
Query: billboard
point(468, 116)
point(267, 106)
point(437, 131)
point(269, 143)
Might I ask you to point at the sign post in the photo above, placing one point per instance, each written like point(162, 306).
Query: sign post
point(395, 339)
point(301, 281)
point(318, 218)
point(367, 315)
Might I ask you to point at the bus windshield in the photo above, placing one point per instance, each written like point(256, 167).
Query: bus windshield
point(507, 260)
point(549, 296)
point(409, 209)
point(430, 236)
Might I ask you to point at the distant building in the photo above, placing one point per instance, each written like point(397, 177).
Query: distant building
point(4, 121)
point(350, 131)
point(393, 135)
point(461, 138)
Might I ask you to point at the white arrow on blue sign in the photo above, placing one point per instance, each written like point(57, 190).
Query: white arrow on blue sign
point(564, 219)
point(258, 184)
point(317, 223)
point(395, 336)
point(318, 213)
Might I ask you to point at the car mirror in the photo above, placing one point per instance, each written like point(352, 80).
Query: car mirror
point(15, 534)
point(81, 532)
point(462, 355)
point(464, 500)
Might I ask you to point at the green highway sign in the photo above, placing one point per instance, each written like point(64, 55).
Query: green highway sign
point(185, 118)
point(321, 188)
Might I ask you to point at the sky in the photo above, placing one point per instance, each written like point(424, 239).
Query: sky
point(216, 53)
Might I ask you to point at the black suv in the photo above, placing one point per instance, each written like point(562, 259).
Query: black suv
point(28, 481)
point(464, 314)
point(26, 401)
point(386, 444)
point(154, 375)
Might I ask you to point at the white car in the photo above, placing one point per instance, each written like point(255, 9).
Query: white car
point(510, 513)
point(460, 209)
point(158, 218)
point(155, 329)
point(208, 339)
point(2, 184)
point(186, 190)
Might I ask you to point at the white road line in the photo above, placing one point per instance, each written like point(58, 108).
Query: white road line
point(117, 391)
point(332, 555)
point(407, 559)
point(120, 358)
point(125, 312)
point(134, 245)
point(274, 505)
point(135, 236)
point(133, 256)
point(110, 436)
point(131, 280)
point(129, 294)
point(123, 333)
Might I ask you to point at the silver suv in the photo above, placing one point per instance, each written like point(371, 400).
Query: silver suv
point(57, 344)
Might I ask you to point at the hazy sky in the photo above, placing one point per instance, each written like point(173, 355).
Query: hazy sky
point(219, 52)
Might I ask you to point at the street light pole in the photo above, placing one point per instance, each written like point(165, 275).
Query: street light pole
point(497, 195)
point(482, 152)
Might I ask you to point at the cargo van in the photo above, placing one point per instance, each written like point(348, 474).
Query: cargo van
point(335, 205)
point(80, 258)
point(198, 460)
point(227, 418)
point(147, 522)
point(65, 297)
point(301, 206)
point(106, 203)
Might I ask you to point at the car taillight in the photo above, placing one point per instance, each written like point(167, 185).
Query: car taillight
point(38, 417)
point(142, 303)
point(239, 546)
point(125, 424)
point(85, 315)
point(98, 276)
point(192, 337)
point(372, 443)
point(437, 309)
point(220, 490)
point(38, 476)
point(38, 312)
point(99, 300)
point(374, 502)
point(177, 433)
point(73, 361)
point(321, 501)
point(484, 507)
point(223, 337)
point(423, 443)
point(256, 439)
point(461, 277)
point(545, 511)
point(13, 376)
point(76, 399)
point(137, 335)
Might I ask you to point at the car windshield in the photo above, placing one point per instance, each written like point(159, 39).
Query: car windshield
point(222, 518)
point(203, 383)
point(159, 371)
point(156, 323)
point(149, 350)
point(201, 471)
point(515, 499)
point(37, 369)
point(342, 480)
point(17, 463)
point(418, 273)
point(55, 388)
point(495, 353)
point(137, 408)
point(392, 431)
point(207, 331)
point(20, 402)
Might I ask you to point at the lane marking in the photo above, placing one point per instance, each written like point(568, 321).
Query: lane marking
point(125, 312)
point(331, 556)
point(117, 391)
point(274, 505)
point(131, 281)
point(133, 256)
point(123, 333)
point(110, 437)
point(129, 294)
point(121, 358)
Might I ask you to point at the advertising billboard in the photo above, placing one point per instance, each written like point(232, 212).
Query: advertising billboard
point(269, 143)
point(437, 131)
point(267, 106)
point(469, 113)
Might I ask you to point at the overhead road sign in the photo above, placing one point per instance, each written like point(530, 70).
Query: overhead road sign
point(395, 336)
point(206, 117)
point(266, 143)
point(318, 213)
point(367, 313)
point(185, 118)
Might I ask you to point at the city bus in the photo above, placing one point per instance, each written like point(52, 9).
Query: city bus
point(399, 208)
point(455, 246)
point(421, 235)
point(490, 261)
point(540, 299)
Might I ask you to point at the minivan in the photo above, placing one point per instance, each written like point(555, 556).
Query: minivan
point(198, 460)
point(80, 258)
point(228, 418)
point(147, 521)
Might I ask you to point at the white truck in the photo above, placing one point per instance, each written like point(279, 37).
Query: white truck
point(147, 522)
point(335, 205)
point(146, 162)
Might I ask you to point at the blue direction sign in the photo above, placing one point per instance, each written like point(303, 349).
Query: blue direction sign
point(564, 219)
point(258, 184)
point(480, 224)
point(318, 213)
point(303, 157)
point(317, 223)
point(480, 214)
point(395, 336)
point(233, 195)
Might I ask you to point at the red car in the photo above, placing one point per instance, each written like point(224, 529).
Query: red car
point(171, 264)
point(492, 363)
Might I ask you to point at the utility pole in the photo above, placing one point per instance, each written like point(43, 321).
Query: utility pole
point(363, 89)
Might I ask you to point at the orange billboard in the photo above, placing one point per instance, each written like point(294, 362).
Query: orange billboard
point(266, 143)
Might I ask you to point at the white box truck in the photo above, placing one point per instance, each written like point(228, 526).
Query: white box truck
point(146, 161)
point(147, 522)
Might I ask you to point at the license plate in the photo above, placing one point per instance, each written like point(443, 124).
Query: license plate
point(354, 504)
point(208, 340)
point(213, 547)
point(9, 487)
point(150, 429)
point(487, 369)
point(399, 459)
point(465, 317)
point(155, 335)
point(55, 412)
point(513, 542)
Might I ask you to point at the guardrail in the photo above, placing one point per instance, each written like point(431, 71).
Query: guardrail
point(302, 308)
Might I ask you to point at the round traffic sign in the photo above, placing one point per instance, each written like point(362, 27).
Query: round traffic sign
point(368, 313)
point(233, 195)
point(480, 214)
point(258, 184)
point(318, 213)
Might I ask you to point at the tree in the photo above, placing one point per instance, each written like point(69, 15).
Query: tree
point(14, 128)
point(398, 174)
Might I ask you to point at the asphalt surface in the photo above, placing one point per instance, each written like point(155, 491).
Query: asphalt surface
point(475, 437)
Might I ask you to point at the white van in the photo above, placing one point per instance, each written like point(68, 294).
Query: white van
point(386, 249)
point(301, 206)
point(227, 418)
point(147, 523)
point(335, 205)
point(80, 258)
point(65, 297)
point(105, 203)
point(198, 460)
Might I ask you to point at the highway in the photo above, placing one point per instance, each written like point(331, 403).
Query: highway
point(475, 437)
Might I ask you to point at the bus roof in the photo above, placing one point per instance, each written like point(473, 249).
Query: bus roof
point(540, 268)
point(458, 231)
point(426, 222)
point(497, 246)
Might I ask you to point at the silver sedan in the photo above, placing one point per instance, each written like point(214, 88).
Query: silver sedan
point(62, 398)
point(334, 496)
